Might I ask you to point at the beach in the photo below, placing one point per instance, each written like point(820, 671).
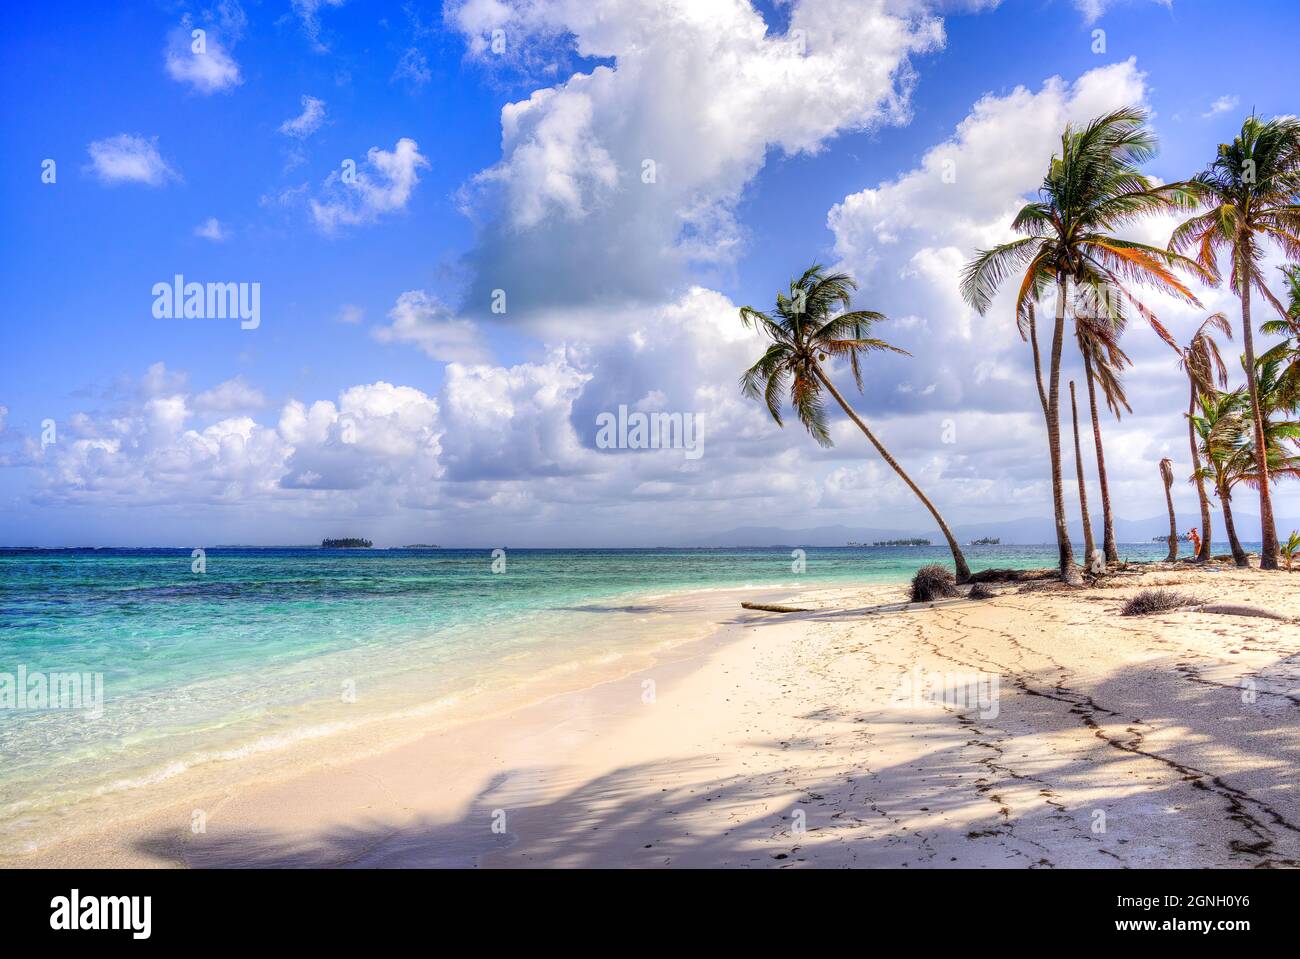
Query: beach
point(1036, 729)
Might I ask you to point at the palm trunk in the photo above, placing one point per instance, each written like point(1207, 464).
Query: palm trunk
point(1038, 360)
point(1088, 545)
point(1173, 524)
point(1069, 572)
point(1268, 530)
point(1107, 517)
point(1204, 553)
point(1238, 554)
point(959, 561)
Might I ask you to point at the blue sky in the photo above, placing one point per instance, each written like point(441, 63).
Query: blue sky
point(381, 395)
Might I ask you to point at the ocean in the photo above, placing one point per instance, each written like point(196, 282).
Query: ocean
point(267, 648)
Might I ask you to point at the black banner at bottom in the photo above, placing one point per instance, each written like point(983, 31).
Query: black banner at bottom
point(334, 908)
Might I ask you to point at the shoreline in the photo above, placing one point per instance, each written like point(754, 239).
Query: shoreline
point(783, 740)
point(297, 735)
point(302, 751)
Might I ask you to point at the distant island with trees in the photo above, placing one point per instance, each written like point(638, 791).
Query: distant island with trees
point(348, 542)
point(915, 541)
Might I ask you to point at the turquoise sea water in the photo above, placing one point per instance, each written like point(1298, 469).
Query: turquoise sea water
point(267, 645)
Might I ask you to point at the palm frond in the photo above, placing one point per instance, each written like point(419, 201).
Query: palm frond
point(981, 277)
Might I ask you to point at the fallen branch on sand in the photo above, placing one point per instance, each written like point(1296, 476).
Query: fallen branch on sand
point(770, 608)
point(1166, 601)
point(1232, 609)
point(1011, 575)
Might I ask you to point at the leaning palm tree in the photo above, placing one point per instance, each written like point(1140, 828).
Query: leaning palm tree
point(1167, 476)
point(1103, 362)
point(1201, 361)
point(1220, 429)
point(1250, 189)
point(805, 330)
point(1091, 188)
point(1089, 546)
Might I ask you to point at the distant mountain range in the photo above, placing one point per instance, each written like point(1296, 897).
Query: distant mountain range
point(1015, 532)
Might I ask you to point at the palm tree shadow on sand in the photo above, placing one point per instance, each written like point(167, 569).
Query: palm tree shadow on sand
point(1118, 774)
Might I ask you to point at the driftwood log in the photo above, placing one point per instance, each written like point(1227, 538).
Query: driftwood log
point(1011, 575)
point(769, 608)
point(1231, 609)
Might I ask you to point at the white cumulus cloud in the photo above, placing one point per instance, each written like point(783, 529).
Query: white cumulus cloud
point(129, 158)
point(201, 61)
point(1221, 105)
point(212, 229)
point(230, 396)
point(426, 322)
point(307, 122)
point(614, 180)
point(383, 185)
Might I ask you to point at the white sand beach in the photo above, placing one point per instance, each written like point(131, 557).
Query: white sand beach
point(1065, 736)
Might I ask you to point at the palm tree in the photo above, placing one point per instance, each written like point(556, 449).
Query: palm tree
point(1089, 546)
point(1226, 431)
point(1270, 386)
point(1220, 428)
point(1167, 475)
point(1201, 361)
point(804, 330)
point(1291, 549)
point(1091, 188)
point(1250, 189)
point(1103, 361)
point(1289, 324)
point(1288, 350)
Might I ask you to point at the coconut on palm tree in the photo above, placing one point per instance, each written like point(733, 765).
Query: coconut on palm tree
point(805, 329)
point(1251, 190)
point(1167, 476)
point(1092, 187)
point(1201, 361)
